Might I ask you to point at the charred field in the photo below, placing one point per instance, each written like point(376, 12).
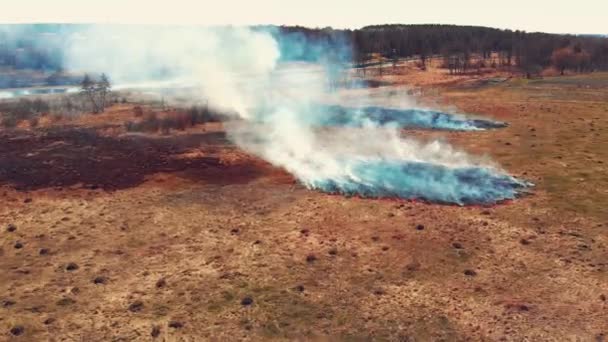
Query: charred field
point(110, 235)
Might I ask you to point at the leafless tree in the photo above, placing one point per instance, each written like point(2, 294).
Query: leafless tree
point(96, 92)
point(103, 88)
point(88, 88)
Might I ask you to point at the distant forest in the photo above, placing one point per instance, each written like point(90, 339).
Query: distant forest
point(38, 47)
point(457, 44)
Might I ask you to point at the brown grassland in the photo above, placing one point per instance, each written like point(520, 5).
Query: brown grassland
point(108, 236)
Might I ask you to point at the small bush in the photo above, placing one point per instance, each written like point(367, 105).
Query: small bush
point(130, 126)
point(193, 115)
point(34, 121)
point(150, 123)
point(24, 109)
point(177, 121)
point(9, 121)
point(56, 117)
point(172, 120)
point(181, 121)
point(165, 126)
point(40, 106)
point(203, 114)
point(479, 64)
point(138, 111)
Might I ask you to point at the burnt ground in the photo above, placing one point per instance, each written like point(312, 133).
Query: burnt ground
point(69, 156)
point(185, 238)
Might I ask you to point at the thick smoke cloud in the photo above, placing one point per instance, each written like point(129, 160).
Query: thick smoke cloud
point(283, 106)
point(31, 47)
point(215, 60)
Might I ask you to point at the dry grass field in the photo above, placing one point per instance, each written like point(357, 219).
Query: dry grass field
point(108, 236)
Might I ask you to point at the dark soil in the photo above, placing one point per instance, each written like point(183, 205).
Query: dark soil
point(62, 157)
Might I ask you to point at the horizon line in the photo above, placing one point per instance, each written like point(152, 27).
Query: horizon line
point(313, 27)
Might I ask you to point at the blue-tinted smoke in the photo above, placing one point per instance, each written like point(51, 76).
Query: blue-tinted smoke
point(311, 45)
point(35, 47)
point(431, 182)
point(251, 72)
point(49, 48)
point(335, 115)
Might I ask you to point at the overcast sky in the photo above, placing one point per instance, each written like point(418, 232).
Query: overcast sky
point(558, 16)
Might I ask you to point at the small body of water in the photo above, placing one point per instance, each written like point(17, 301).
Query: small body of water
point(148, 86)
point(22, 92)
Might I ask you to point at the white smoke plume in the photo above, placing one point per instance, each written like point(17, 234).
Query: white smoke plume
point(214, 59)
point(239, 69)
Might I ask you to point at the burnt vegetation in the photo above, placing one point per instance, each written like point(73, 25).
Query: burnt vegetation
point(147, 115)
point(23, 109)
point(82, 157)
point(15, 111)
point(175, 119)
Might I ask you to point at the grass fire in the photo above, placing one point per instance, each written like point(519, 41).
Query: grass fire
point(240, 182)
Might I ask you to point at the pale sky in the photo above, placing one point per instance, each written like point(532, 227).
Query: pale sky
point(556, 16)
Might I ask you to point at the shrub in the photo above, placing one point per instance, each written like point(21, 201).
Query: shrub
point(56, 117)
point(177, 121)
point(9, 121)
point(193, 114)
point(138, 111)
point(150, 123)
point(181, 121)
point(165, 126)
point(34, 121)
point(22, 109)
point(172, 120)
point(40, 106)
point(203, 114)
point(130, 126)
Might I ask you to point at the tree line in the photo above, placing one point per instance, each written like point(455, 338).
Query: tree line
point(457, 44)
point(39, 47)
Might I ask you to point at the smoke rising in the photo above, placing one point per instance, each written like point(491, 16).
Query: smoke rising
point(336, 115)
point(284, 105)
point(213, 59)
